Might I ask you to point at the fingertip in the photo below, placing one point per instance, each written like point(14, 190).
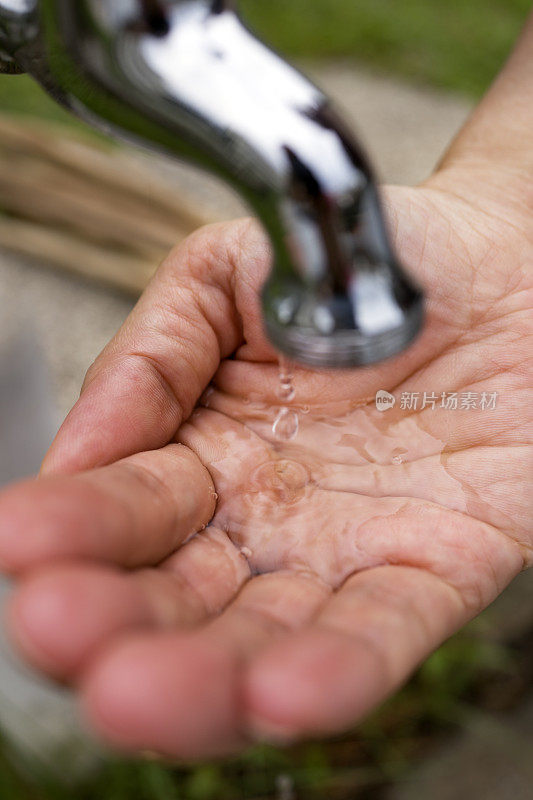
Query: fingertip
point(79, 443)
point(315, 684)
point(58, 461)
point(59, 617)
point(35, 619)
point(173, 694)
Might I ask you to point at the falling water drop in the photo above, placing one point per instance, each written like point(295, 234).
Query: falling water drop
point(285, 388)
point(286, 391)
point(286, 424)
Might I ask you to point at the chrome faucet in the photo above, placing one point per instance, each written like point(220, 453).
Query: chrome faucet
point(187, 77)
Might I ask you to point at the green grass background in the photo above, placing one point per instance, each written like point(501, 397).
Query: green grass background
point(451, 44)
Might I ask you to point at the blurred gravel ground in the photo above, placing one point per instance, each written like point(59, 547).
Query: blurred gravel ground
point(490, 760)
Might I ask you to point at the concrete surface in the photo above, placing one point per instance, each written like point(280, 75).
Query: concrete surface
point(72, 320)
point(405, 129)
point(490, 760)
point(39, 720)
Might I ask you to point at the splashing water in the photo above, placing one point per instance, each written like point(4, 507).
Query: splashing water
point(286, 424)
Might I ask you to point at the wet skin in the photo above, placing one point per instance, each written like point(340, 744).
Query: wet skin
point(202, 584)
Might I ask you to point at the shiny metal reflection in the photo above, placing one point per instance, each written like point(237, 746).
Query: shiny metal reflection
point(188, 78)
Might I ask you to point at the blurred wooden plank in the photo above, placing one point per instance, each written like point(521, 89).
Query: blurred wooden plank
point(102, 220)
point(65, 251)
point(95, 212)
point(114, 168)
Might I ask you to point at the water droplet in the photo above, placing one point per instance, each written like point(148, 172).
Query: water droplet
point(246, 552)
point(305, 409)
point(286, 390)
point(215, 495)
point(246, 401)
point(286, 424)
point(398, 454)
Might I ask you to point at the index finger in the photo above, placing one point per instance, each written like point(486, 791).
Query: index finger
point(149, 377)
point(132, 513)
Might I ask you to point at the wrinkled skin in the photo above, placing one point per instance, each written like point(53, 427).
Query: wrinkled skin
point(328, 568)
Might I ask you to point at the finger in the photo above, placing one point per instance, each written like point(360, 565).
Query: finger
point(62, 616)
point(149, 377)
point(175, 694)
point(179, 694)
point(268, 607)
point(132, 513)
point(364, 644)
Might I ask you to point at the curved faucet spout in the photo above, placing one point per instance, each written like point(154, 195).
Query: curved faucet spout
point(187, 77)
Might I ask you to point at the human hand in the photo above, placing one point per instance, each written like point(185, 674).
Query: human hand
point(332, 563)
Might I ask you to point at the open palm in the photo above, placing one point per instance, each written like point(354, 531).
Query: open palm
point(204, 583)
